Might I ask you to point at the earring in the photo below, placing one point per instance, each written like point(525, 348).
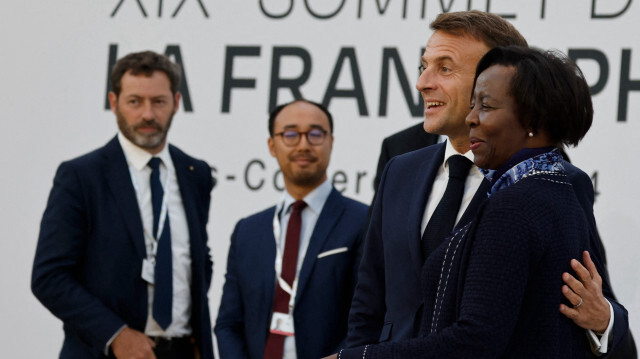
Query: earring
point(530, 133)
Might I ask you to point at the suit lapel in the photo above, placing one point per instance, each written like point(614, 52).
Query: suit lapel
point(422, 189)
point(266, 245)
point(119, 181)
point(184, 176)
point(327, 220)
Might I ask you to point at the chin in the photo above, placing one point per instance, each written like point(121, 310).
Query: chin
point(432, 125)
point(153, 141)
point(480, 162)
point(307, 180)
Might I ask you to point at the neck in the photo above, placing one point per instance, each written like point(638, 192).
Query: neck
point(299, 192)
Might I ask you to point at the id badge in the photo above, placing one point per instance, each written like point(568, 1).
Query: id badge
point(282, 324)
point(148, 271)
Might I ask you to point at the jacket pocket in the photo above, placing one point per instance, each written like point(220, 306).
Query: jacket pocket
point(385, 333)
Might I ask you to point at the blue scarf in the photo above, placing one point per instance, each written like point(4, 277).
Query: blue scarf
point(526, 162)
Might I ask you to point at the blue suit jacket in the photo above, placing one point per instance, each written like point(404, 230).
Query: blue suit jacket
point(87, 267)
point(387, 303)
point(325, 284)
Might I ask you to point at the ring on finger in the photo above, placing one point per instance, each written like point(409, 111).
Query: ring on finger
point(578, 305)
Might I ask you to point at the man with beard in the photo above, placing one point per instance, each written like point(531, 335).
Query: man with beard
point(291, 269)
point(122, 257)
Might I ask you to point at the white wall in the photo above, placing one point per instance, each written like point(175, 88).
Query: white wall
point(53, 79)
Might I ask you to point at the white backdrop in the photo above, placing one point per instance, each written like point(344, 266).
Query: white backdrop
point(53, 72)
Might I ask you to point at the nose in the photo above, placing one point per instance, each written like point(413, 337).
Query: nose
point(147, 111)
point(304, 142)
point(472, 118)
point(425, 80)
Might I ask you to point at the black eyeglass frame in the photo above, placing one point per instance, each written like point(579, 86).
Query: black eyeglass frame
point(299, 136)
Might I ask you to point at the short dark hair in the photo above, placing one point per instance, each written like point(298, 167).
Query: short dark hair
point(278, 109)
point(549, 89)
point(145, 63)
point(486, 27)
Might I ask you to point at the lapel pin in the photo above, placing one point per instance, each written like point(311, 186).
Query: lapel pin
point(190, 168)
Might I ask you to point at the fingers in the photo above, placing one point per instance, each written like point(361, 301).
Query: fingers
point(569, 312)
point(571, 296)
point(575, 285)
point(581, 271)
point(591, 267)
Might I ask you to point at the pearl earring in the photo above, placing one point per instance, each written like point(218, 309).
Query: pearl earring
point(530, 134)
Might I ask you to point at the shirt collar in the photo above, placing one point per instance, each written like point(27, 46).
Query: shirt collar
point(450, 151)
point(137, 157)
point(315, 199)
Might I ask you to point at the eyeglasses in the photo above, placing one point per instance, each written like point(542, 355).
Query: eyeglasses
point(314, 136)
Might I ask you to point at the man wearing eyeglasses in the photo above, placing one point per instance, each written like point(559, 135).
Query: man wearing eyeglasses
point(291, 269)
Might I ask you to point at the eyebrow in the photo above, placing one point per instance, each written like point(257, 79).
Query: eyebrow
point(289, 127)
point(437, 59)
point(133, 95)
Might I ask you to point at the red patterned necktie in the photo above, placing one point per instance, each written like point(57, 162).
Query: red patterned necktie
point(274, 348)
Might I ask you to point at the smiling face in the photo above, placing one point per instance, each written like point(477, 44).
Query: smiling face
point(144, 109)
point(303, 166)
point(494, 129)
point(445, 84)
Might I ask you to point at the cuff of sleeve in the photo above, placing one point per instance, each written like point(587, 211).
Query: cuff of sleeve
point(600, 343)
point(113, 337)
point(353, 353)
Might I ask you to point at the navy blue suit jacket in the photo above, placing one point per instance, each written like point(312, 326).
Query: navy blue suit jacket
point(88, 262)
point(325, 284)
point(387, 303)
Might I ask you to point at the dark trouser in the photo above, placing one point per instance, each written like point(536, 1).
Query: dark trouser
point(174, 348)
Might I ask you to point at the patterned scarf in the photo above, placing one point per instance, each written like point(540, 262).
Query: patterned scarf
point(545, 163)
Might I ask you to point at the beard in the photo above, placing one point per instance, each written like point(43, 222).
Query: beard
point(307, 177)
point(148, 141)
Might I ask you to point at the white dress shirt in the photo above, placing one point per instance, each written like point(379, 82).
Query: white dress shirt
point(137, 160)
point(315, 202)
point(471, 185)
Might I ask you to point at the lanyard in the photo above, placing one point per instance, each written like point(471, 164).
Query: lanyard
point(163, 213)
point(277, 231)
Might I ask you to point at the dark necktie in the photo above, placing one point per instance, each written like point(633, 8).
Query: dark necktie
point(444, 217)
point(163, 291)
point(274, 348)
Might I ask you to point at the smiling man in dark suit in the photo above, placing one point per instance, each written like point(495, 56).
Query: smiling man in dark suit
point(292, 268)
point(122, 258)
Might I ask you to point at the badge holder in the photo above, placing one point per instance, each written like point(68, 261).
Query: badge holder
point(282, 324)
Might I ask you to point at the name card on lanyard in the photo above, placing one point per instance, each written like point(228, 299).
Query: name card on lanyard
point(149, 263)
point(277, 232)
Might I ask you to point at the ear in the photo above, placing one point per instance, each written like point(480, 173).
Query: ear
point(271, 145)
point(176, 102)
point(113, 101)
